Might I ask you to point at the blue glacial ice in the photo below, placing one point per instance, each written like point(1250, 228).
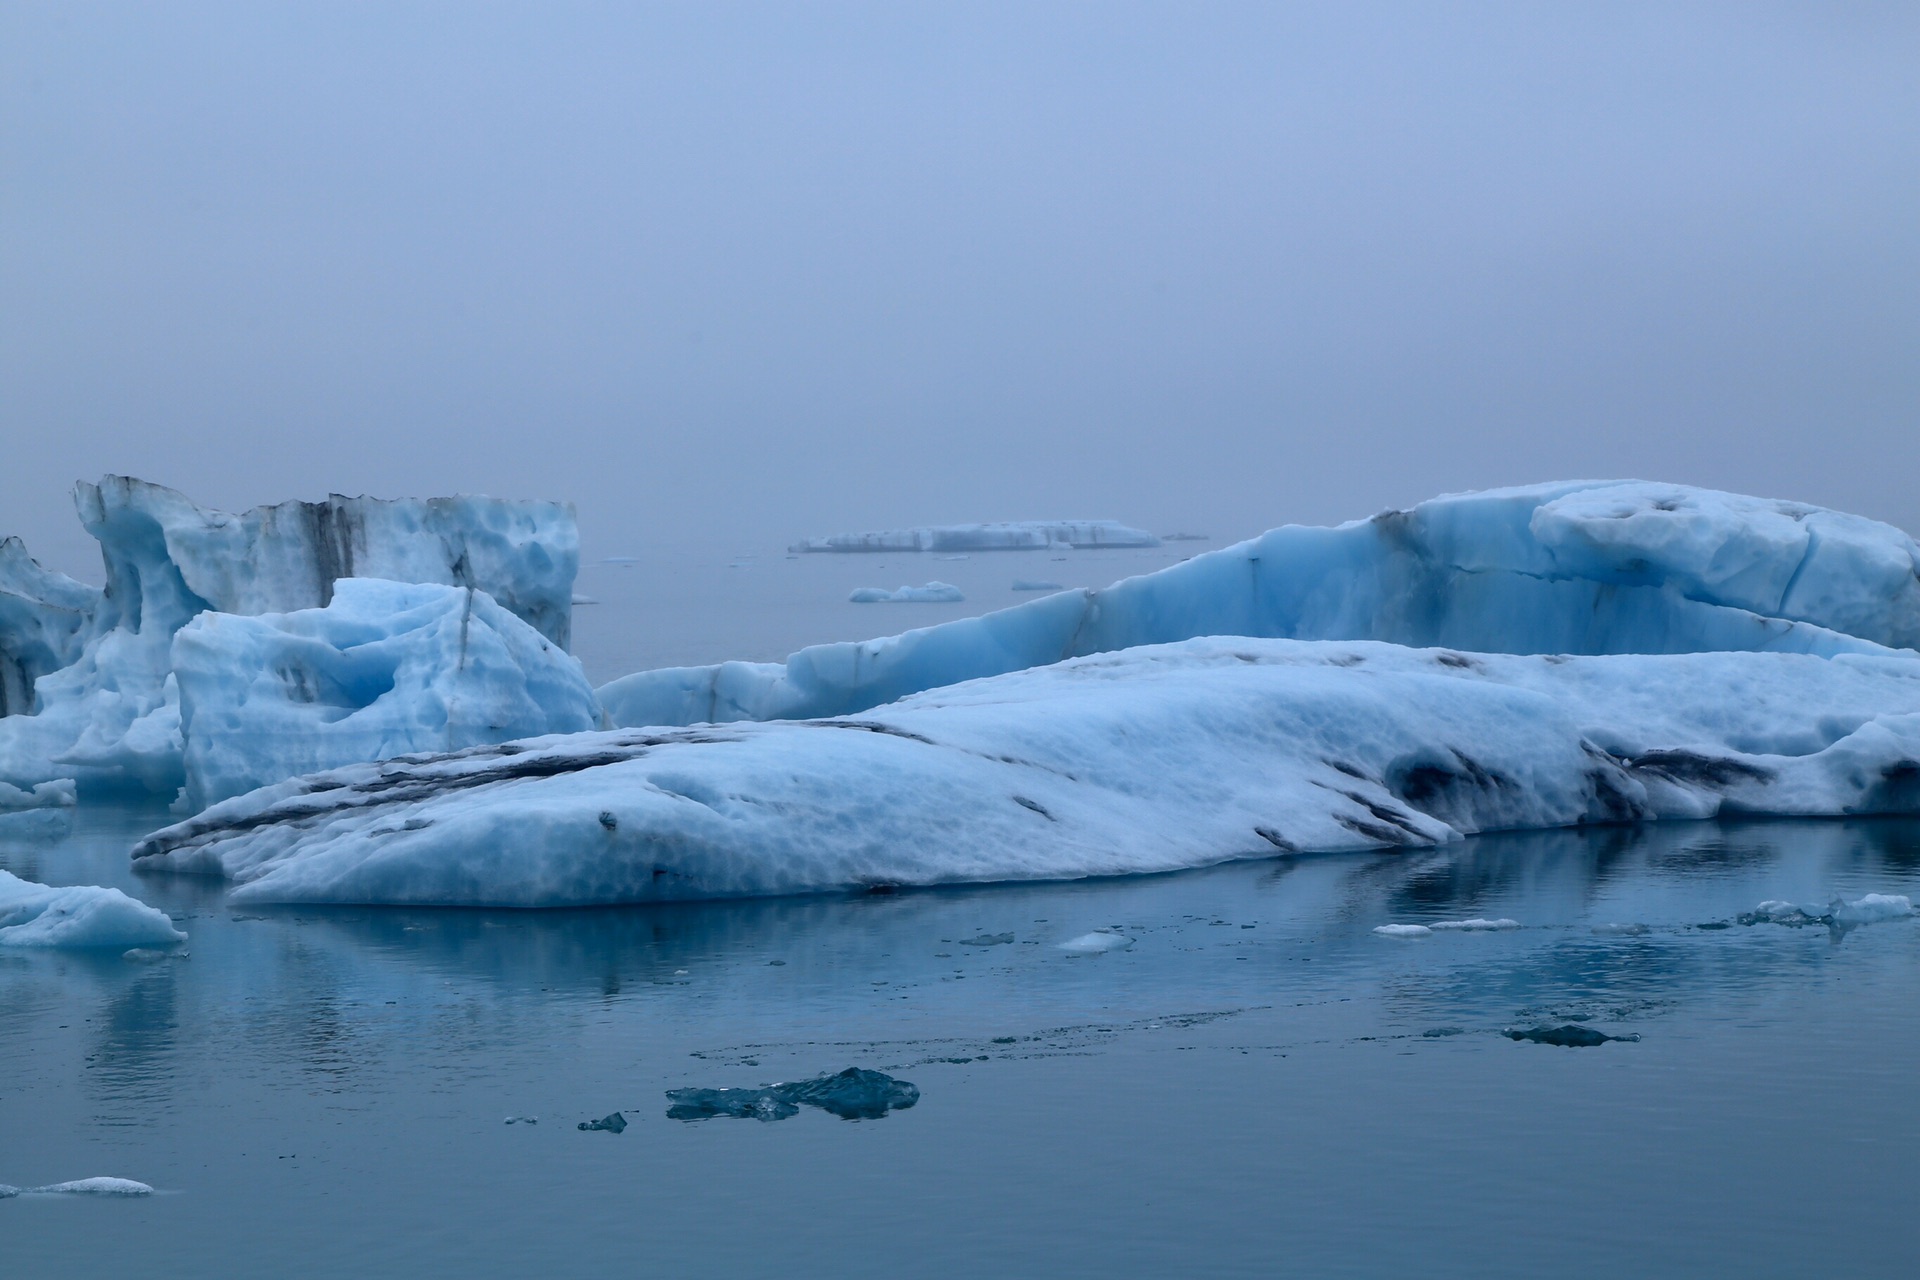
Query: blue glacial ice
point(43, 617)
point(1015, 535)
point(1150, 759)
point(35, 915)
point(1589, 567)
point(386, 669)
point(929, 593)
point(110, 717)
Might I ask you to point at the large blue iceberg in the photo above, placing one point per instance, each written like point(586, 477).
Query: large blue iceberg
point(1582, 567)
point(108, 716)
point(1154, 758)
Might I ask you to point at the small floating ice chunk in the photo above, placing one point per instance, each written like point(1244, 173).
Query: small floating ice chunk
point(536, 1120)
point(929, 593)
point(1872, 909)
point(148, 955)
point(81, 915)
point(1569, 1035)
point(623, 561)
point(1476, 925)
point(614, 1123)
point(988, 940)
point(1036, 584)
point(953, 557)
point(94, 1187)
point(1403, 931)
point(1621, 930)
point(579, 598)
point(1096, 943)
point(853, 1094)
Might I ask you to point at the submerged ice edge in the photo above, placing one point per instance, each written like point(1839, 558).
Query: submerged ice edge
point(1153, 759)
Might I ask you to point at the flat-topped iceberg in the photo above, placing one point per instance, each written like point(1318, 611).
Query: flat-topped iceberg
point(110, 717)
point(386, 669)
point(1582, 567)
point(1151, 759)
point(81, 915)
point(929, 593)
point(1010, 535)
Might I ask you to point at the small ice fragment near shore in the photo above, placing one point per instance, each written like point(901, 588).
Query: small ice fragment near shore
point(1476, 925)
point(1096, 943)
point(93, 1187)
point(853, 1094)
point(1568, 1036)
point(606, 1124)
point(1403, 931)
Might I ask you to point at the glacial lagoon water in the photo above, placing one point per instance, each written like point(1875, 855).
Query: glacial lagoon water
point(1260, 1084)
point(1255, 1084)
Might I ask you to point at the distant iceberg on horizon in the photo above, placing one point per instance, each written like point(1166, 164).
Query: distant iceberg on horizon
point(1008, 535)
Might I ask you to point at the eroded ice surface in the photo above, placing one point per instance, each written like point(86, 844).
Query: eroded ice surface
point(36, 915)
point(1013, 535)
point(1151, 759)
point(386, 669)
point(928, 593)
point(43, 619)
point(110, 718)
point(1577, 567)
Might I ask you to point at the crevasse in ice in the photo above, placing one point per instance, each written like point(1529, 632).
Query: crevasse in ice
point(1580, 567)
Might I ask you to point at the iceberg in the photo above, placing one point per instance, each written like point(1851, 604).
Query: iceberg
point(110, 717)
point(1581, 567)
point(1013, 535)
point(385, 669)
point(1155, 758)
point(34, 915)
point(43, 618)
point(931, 593)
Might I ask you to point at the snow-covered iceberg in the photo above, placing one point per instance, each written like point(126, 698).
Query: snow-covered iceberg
point(386, 669)
point(1581, 567)
point(43, 619)
point(1010, 535)
point(1151, 759)
point(110, 717)
point(928, 593)
point(81, 915)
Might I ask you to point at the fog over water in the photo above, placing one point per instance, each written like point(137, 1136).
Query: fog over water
point(728, 273)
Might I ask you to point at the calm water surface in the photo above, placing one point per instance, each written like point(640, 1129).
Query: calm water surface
point(1260, 1086)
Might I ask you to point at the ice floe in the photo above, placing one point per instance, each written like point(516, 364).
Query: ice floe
point(1151, 759)
point(1581, 567)
point(38, 915)
point(1099, 942)
point(83, 1187)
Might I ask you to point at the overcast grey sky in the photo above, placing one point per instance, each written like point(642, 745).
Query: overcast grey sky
point(756, 271)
